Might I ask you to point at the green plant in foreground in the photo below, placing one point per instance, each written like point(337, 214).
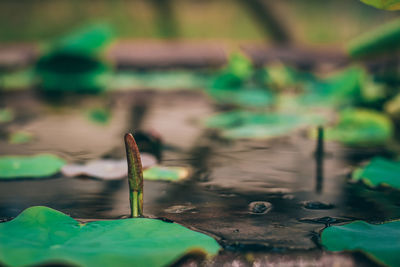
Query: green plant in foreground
point(135, 176)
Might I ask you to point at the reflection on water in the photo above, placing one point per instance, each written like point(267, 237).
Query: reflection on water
point(228, 177)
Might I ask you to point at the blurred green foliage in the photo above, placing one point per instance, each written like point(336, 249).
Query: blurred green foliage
point(240, 124)
point(311, 21)
point(99, 115)
point(74, 62)
point(383, 39)
point(383, 4)
point(360, 127)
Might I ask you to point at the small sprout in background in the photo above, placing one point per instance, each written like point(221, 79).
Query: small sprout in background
point(135, 176)
point(319, 159)
point(319, 152)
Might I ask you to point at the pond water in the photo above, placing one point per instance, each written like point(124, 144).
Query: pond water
point(264, 201)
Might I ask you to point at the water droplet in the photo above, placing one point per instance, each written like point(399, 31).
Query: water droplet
point(259, 207)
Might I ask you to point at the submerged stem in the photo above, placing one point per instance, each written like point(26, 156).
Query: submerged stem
point(135, 176)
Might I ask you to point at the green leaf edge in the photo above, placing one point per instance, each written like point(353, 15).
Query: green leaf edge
point(44, 175)
point(357, 176)
point(23, 214)
point(367, 254)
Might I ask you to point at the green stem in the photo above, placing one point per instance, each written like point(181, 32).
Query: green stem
point(135, 176)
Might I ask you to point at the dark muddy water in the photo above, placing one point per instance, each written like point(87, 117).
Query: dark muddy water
point(255, 197)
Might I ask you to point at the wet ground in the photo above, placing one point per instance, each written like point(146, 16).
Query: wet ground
point(264, 201)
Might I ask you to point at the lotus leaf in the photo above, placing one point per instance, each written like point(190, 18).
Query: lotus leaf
point(245, 97)
point(42, 235)
point(383, 4)
point(380, 242)
point(246, 124)
point(164, 80)
point(361, 127)
point(379, 171)
point(42, 165)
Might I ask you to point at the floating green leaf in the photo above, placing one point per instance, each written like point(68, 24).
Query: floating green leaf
point(379, 171)
point(42, 235)
point(246, 124)
point(6, 115)
point(384, 4)
point(246, 97)
point(161, 80)
point(42, 165)
point(20, 137)
point(99, 115)
point(361, 127)
point(380, 242)
point(166, 173)
point(384, 39)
